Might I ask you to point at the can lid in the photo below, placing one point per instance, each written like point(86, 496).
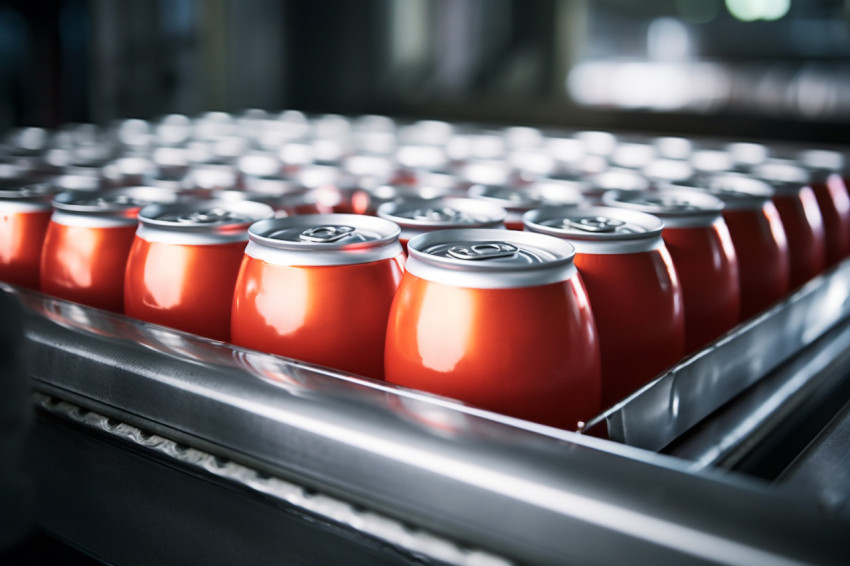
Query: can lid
point(669, 147)
point(490, 259)
point(712, 161)
point(506, 197)
point(201, 221)
point(440, 213)
point(785, 176)
point(747, 154)
point(324, 239)
point(24, 193)
point(617, 179)
point(235, 196)
point(598, 229)
point(737, 191)
point(669, 170)
point(116, 202)
point(678, 207)
point(822, 160)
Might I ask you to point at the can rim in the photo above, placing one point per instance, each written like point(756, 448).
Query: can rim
point(563, 251)
point(651, 224)
point(710, 207)
point(28, 191)
point(491, 213)
point(739, 192)
point(142, 196)
point(251, 212)
point(387, 231)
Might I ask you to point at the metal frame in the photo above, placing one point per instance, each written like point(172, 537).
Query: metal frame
point(507, 487)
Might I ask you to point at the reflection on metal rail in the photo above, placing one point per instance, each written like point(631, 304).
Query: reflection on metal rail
point(681, 397)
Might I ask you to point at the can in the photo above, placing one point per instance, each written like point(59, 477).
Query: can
point(801, 217)
point(758, 236)
point(318, 288)
point(632, 286)
point(87, 243)
point(419, 216)
point(518, 201)
point(367, 200)
point(826, 168)
point(24, 215)
point(499, 319)
point(184, 261)
point(699, 243)
point(614, 179)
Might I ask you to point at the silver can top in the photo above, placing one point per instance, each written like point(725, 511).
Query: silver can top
point(324, 240)
point(490, 259)
point(200, 221)
point(25, 196)
point(615, 179)
point(678, 207)
point(116, 207)
point(442, 213)
point(599, 229)
point(737, 191)
point(785, 176)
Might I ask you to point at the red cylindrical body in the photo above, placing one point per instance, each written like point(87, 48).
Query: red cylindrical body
point(826, 168)
point(184, 261)
point(420, 216)
point(701, 248)
point(497, 319)
point(24, 215)
point(87, 243)
point(801, 218)
point(759, 239)
point(318, 288)
point(632, 287)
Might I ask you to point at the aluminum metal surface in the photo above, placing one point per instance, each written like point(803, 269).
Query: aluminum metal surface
point(445, 212)
point(738, 192)
point(324, 239)
point(522, 491)
point(284, 493)
point(598, 229)
point(785, 176)
point(23, 197)
point(678, 399)
point(676, 207)
point(202, 221)
point(489, 259)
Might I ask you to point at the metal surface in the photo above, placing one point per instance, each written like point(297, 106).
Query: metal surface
point(657, 414)
point(317, 526)
point(779, 400)
point(511, 488)
point(823, 469)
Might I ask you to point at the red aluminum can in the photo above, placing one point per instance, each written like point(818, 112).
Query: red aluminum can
point(499, 319)
point(826, 168)
point(184, 261)
point(518, 201)
point(699, 243)
point(758, 236)
point(318, 288)
point(801, 217)
point(87, 243)
point(24, 215)
point(632, 286)
point(419, 216)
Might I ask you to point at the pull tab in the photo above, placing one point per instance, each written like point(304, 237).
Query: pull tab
point(444, 214)
point(483, 251)
point(206, 216)
point(595, 224)
point(325, 234)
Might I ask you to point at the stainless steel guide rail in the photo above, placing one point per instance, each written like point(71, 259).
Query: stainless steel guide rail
point(519, 491)
point(681, 397)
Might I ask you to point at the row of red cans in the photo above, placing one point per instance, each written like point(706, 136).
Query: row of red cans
point(660, 319)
